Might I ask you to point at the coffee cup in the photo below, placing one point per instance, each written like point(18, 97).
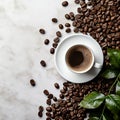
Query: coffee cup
point(80, 59)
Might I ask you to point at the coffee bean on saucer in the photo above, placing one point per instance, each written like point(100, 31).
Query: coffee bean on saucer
point(65, 3)
point(56, 85)
point(67, 24)
point(46, 92)
point(43, 63)
point(46, 42)
point(56, 40)
point(32, 82)
point(67, 16)
point(54, 45)
point(61, 26)
point(68, 30)
point(54, 20)
point(48, 102)
point(52, 50)
point(42, 31)
point(58, 33)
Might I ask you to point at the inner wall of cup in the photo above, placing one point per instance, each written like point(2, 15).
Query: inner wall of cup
point(77, 69)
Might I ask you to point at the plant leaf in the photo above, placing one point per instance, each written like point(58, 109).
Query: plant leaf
point(112, 102)
point(110, 73)
point(94, 118)
point(92, 100)
point(118, 88)
point(114, 56)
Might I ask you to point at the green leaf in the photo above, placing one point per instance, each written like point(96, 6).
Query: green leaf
point(110, 73)
point(104, 118)
point(94, 118)
point(114, 56)
point(112, 102)
point(92, 100)
point(118, 88)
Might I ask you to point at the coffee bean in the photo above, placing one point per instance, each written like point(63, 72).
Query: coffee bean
point(32, 82)
point(54, 98)
point(52, 50)
point(68, 30)
point(40, 114)
point(67, 16)
point(54, 20)
point(41, 108)
point(67, 24)
point(58, 33)
point(48, 118)
point(42, 31)
point(46, 92)
point(50, 96)
point(61, 26)
point(48, 109)
point(54, 45)
point(56, 85)
point(43, 63)
point(61, 96)
point(77, 1)
point(76, 30)
point(46, 42)
point(65, 3)
point(56, 40)
point(48, 102)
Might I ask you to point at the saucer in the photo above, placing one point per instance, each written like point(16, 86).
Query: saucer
point(61, 50)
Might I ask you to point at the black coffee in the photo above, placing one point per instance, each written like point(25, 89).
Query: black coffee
point(79, 58)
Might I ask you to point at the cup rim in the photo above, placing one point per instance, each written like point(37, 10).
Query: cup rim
point(86, 70)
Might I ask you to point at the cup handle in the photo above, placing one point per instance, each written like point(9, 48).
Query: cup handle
point(97, 65)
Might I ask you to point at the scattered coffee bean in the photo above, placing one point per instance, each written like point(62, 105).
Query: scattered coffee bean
point(46, 42)
point(48, 101)
point(61, 96)
point(32, 82)
point(61, 26)
point(54, 45)
point(40, 114)
point(67, 24)
point(56, 85)
point(48, 109)
point(50, 96)
point(46, 92)
point(65, 3)
point(54, 20)
point(76, 30)
point(68, 30)
point(48, 118)
point(41, 108)
point(43, 63)
point(54, 98)
point(67, 16)
point(42, 31)
point(52, 50)
point(58, 33)
point(77, 1)
point(56, 40)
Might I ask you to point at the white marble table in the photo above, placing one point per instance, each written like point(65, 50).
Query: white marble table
point(21, 49)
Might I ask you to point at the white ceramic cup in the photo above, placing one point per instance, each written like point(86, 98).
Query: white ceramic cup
point(92, 64)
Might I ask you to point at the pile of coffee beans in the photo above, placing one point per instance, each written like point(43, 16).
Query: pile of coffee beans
point(66, 107)
point(101, 20)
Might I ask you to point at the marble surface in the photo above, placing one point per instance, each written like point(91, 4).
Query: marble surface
point(21, 49)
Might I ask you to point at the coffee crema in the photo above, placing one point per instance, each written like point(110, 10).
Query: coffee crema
point(79, 58)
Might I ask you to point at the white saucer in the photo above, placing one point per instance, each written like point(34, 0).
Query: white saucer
point(60, 58)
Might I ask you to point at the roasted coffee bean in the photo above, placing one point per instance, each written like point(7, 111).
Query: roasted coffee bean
point(46, 42)
point(54, 20)
point(76, 30)
point(61, 96)
point(61, 26)
point(48, 101)
point(42, 31)
point(43, 63)
point(32, 82)
point(68, 30)
point(56, 85)
point(52, 50)
point(67, 16)
point(40, 114)
point(54, 98)
point(50, 96)
point(77, 1)
point(65, 3)
point(46, 92)
point(48, 109)
point(41, 108)
point(67, 24)
point(54, 45)
point(58, 33)
point(48, 118)
point(56, 40)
